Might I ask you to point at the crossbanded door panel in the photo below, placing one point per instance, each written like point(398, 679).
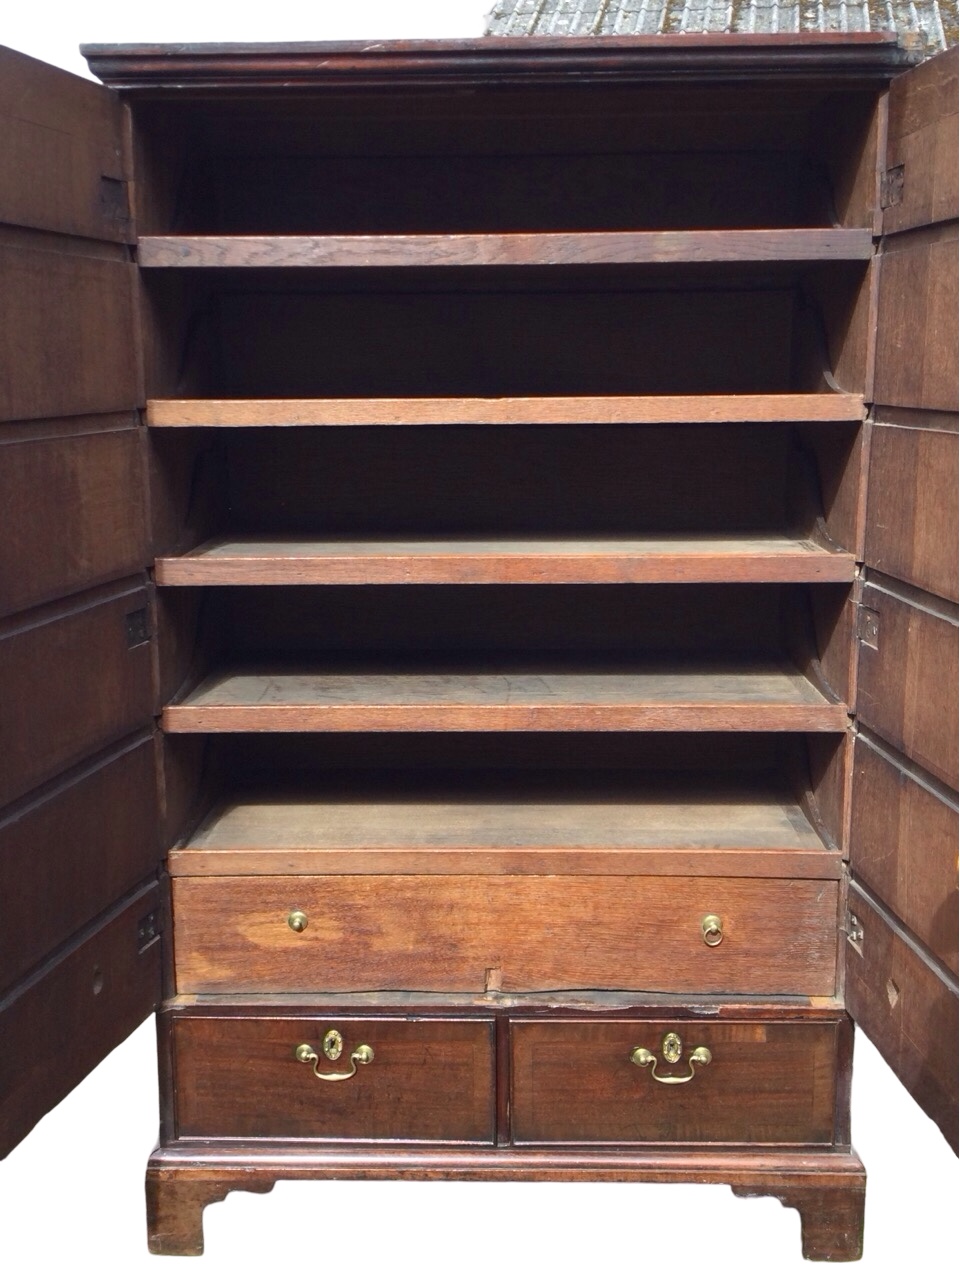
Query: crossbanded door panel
point(79, 951)
point(901, 961)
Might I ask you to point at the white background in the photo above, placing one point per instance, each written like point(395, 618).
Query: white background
point(71, 1199)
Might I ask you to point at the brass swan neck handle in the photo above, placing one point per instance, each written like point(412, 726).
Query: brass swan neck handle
point(672, 1050)
point(360, 1057)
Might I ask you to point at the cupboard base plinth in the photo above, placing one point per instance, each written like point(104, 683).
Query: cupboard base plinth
point(826, 1187)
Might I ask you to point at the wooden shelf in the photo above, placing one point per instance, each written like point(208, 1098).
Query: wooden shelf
point(520, 410)
point(347, 561)
point(506, 696)
point(702, 825)
point(519, 249)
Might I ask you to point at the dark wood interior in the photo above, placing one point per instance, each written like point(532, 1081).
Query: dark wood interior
point(644, 158)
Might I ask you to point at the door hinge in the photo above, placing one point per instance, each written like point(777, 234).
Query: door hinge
point(891, 187)
point(854, 931)
point(138, 628)
point(115, 200)
point(868, 627)
point(148, 930)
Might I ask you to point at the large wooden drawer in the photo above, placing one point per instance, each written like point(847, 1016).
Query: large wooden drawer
point(430, 1080)
point(766, 1082)
point(510, 933)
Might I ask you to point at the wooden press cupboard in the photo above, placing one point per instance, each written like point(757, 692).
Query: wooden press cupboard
point(478, 613)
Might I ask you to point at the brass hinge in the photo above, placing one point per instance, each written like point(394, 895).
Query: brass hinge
point(868, 627)
point(148, 930)
point(854, 932)
point(891, 187)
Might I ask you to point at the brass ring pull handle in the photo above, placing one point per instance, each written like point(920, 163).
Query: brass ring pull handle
point(672, 1050)
point(360, 1057)
point(712, 929)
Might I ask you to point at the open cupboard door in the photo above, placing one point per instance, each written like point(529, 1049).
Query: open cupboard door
point(79, 821)
point(901, 959)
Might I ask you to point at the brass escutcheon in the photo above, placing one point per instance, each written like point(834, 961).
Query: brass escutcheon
point(333, 1045)
point(297, 920)
point(672, 1050)
point(712, 930)
point(672, 1047)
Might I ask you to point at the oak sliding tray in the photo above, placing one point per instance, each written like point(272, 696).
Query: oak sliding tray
point(450, 824)
point(834, 406)
point(512, 695)
point(554, 559)
point(517, 249)
point(435, 883)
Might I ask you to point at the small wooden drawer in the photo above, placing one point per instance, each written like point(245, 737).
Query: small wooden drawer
point(428, 1080)
point(279, 934)
point(765, 1082)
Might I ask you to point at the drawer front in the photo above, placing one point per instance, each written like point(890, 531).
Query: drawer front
point(513, 933)
point(765, 1082)
point(427, 1081)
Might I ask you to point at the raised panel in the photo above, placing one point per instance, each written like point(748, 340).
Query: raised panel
point(916, 358)
point(907, 688)
point(75, 501)
point(67, 322)
point(903, 847)
point(63, 162)
point(71, 683)
point(75, 1010)
point(908, 1009)
point(61, 857)
point(922, 138)
point(912, 508)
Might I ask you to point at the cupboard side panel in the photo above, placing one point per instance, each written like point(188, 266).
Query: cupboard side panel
point(79, 830)
point(65, 136)
point(898, 986)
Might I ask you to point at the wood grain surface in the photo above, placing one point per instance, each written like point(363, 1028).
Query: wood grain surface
point(922, 137)
point(693, 558)
point(440, 411)
point(907, 1008)
point(825, 1186)
point(66, 328)
point(916, 357)
point(907, 682)
point(73, 494)
point(63, 166)
point(88, 841)
point(429, 1081)
point(903, 846)
point(767, 1083)
point(703, 825)
point(863, 58)
point(93, 995)
point(911, 514)
point(516, 249)
point(71, 684)
point(757, 696)
point(514, 933)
